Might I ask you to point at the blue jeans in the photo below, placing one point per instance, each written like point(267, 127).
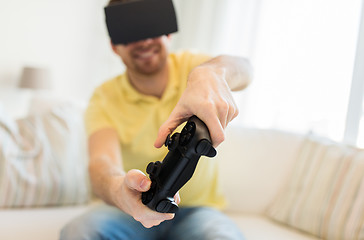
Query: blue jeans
point(106, 222)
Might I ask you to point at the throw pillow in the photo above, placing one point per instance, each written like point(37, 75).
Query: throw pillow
point(43, 159)
point(325, 195)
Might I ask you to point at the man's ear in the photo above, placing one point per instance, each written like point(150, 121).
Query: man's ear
point(113, 47)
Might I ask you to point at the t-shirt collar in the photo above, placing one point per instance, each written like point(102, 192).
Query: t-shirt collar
point(134, 95)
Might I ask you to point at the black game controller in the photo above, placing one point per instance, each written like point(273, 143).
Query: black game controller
point(178, 166)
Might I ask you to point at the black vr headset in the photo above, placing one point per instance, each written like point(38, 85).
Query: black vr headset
point(140, 19)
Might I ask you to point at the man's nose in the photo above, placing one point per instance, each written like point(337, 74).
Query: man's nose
point(147, 41)
point(144, 42)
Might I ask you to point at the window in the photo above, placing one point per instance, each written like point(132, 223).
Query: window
point(304, 61)
point(354, 132)
point(303, 54)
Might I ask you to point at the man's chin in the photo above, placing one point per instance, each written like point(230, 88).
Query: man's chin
point(148, 71)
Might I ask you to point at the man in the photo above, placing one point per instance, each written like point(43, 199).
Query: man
point(128, 120)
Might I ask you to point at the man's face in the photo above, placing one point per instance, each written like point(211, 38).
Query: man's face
point(146, 56)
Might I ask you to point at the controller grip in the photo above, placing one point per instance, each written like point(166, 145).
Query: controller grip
point(178, 165)
point(167, 205)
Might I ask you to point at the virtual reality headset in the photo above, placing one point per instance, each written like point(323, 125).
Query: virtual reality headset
point(140, 19)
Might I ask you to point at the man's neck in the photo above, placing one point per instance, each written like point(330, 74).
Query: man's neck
point(152, 84)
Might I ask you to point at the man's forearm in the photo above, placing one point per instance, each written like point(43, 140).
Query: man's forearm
point(237, 71)
point(105, 165)
point(208, 96)
point(103, 177)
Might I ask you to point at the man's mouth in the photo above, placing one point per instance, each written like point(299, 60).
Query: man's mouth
point(145, 54)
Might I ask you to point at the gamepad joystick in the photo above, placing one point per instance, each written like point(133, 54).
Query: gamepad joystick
point(178, 166)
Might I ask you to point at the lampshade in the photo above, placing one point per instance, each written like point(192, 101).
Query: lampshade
point(35, 78)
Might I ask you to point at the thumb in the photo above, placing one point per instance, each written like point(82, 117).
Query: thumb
point(173, 121)
point(136, 180)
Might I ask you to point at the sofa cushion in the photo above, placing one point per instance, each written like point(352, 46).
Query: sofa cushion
point(43, 223)
point(259, 227)
point(325, 194)
point(43, 159)
point(254, 165)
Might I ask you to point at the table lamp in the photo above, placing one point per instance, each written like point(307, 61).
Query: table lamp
point(35, 78)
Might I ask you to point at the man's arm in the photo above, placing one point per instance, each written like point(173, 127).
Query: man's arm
point(208, 96)
point(237, 69)
point(114, 186)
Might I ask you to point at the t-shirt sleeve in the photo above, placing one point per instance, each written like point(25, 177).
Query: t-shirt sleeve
point(197, 59)
point(96, 117)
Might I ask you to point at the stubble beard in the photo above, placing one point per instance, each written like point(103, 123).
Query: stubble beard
point(149, 66)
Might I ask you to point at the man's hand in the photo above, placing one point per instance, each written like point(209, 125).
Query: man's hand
point(127, 196)
point(113, 185)
point(208, 96)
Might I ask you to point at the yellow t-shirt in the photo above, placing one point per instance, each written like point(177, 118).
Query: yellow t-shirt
point(137, 118)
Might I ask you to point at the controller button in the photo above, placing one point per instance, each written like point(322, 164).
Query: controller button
point(153, 169)
point(173, 207)
point(184, 130)
point(172, 142)
point(150, 167)
point(168, 140)
point(183, 139)
point(189, 127)
point(188, 137)
point(166, 206)
point(204, 147)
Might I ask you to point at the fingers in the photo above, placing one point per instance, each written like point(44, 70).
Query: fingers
point(226, 109)
point(215, 116)
point(214, 126)
point(212, 103)
point(174, 120)
point(150, 218)
point(136, 180)
point(225, 112)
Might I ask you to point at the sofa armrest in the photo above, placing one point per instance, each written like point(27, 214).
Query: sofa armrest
point(254, 165)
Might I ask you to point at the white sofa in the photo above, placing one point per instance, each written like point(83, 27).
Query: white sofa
point(255, 165)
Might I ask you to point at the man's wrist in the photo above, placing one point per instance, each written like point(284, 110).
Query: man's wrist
point(205, 71)
point(235, 71)
point(114, 193)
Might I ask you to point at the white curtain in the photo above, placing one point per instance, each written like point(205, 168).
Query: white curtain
point(302, 51)
point(304, 61)
point(217, 26)
point(354, 131)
